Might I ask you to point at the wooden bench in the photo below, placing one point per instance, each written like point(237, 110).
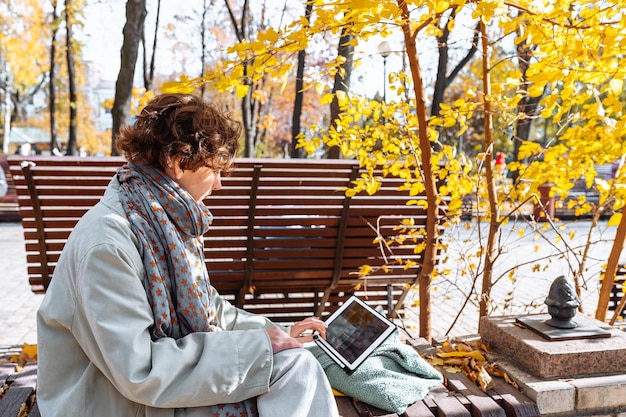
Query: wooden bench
point(617, 291)
point(458, 398)
point(285, 242)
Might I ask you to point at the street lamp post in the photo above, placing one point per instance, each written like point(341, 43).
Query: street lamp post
point(384, 49)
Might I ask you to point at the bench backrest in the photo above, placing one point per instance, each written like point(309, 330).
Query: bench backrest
point(617, 290)
point(285, 241)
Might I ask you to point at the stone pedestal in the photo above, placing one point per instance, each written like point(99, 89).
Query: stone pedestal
point(551, 359)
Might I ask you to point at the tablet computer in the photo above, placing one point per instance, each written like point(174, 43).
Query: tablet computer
point(354, 331)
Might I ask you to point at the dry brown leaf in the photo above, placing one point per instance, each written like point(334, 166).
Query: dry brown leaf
point(28, 354)
point(447, 347)
point(494, 370)
point(435, 361)
point(461, 356)
point(480, 345)
point(464, 347)
point(510, 381)
point(23, 411)
point(454, 361)
point(485, 382)
point(472, 376)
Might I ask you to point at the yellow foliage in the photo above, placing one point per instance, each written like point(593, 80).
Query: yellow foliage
point(615, 219)
point(365, 270)
point(576, 71)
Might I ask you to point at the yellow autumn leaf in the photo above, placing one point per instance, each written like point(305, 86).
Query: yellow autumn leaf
point(449, 122)
point(473, 354)
point(420, 203)
point(270, 36)
point(441, 6)
point(615, 219)
point(327, 98)
point(435, 361)
point(176, 87)
point(616, 86)
point(241, 90)
point(365, 270)
point(602, 185)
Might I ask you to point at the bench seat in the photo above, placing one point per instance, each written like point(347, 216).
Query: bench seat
point(461, 399)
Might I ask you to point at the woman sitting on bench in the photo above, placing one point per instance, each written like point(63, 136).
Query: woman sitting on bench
point(131, 326)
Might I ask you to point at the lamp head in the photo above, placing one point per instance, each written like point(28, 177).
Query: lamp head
point(385, 49)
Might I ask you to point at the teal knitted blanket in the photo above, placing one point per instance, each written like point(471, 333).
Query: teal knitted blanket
point(392, 378)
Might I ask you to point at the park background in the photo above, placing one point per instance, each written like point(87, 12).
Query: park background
point(429, 91)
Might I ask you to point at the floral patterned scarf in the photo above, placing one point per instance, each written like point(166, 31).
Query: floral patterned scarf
point(169, 225)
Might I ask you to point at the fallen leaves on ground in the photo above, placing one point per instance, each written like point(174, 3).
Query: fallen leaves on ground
point(469, 358)
point(27, 354)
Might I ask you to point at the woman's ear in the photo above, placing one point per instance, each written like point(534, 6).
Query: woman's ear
point(173, 168)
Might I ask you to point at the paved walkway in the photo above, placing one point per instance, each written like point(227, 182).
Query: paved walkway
point(524, 293)
point(18, 304)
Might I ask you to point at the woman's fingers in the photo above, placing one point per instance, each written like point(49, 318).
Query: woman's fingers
point(309, 324)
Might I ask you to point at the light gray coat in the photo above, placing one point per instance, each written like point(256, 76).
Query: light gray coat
point(96, 357)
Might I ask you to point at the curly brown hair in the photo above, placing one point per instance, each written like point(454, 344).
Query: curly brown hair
point(181, 125)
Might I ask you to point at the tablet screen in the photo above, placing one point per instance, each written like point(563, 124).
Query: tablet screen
point(354, 331)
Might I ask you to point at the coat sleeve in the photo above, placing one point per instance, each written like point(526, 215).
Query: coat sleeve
point(233, 318)
point(112, 325)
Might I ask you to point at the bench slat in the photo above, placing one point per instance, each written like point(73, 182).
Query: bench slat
point(446, 403)
point(19, 392)
point(514, 402)
point(480, 404)
point(419, 409)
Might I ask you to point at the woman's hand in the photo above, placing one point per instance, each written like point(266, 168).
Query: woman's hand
point(310, 323)
point(281, 340)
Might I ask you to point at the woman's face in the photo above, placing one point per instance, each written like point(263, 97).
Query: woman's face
point(199, 183)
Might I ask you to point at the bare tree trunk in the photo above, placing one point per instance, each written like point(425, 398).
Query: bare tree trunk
point(342, 82)
point(527, 105)
point(52, 77)
point(203, 47)
point(6, 136)
point(148, 70)
point(247, 115)
point(135, 17)
point(443, 80)
point(432, 211)
point(71, 73)
point(299, 99)
point(494, 210)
